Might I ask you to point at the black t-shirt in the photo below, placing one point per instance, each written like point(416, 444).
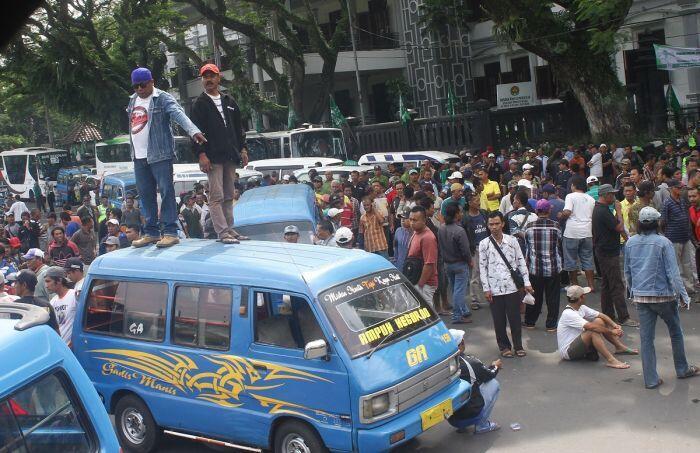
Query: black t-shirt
point(43, 303)
point(607, 157)
point(606, 240)
point(495, 173)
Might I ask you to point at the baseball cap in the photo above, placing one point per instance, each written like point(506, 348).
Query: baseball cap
point(332, 212)
point(112, 240)
point(113, 221)
point(591, 179)
point(528, 167)
point(412, 171)
point(343, 235)
point(209, 67)
point(603, 144)
point(140, 75)
point(491, 155)
point(457, 335)
point(549, 188)
point(673, 183)
point(24, 276)
point(285, 178)
point(606, 189)
point(543, 206)
point(55, 272)
point(648, 214)
point(525, 183)
point(574, 292)
point(73, 263)
point(291, 229)
point(32, 253)
point(456, 175)
point(456, 186)
point(15, 242)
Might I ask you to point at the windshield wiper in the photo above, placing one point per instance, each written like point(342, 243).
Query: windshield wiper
point(381, 342)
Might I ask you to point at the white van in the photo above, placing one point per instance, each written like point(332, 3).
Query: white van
point(281, 167)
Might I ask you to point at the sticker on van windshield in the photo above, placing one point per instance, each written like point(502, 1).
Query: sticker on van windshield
point(220, 379)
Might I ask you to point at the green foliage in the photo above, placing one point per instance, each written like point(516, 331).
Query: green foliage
point(436, 14)
point(397, 88)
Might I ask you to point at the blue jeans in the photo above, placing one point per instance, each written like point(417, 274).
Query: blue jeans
point(668, 311)
point(149, 178)
point(489, 391)
point(458, 277)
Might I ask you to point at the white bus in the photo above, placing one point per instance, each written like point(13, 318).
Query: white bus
point(22, 167)
point(303, 142)
point(114, 156)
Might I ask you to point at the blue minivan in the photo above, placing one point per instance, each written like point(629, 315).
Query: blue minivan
point(116, 186)
point(47, 403)
point(263, 212)
point(265, 345)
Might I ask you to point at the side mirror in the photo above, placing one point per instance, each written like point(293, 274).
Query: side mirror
point(316, 349)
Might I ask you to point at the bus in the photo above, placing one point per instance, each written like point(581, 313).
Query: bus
point(303, 142)
point(22, 167)
point(114, 155)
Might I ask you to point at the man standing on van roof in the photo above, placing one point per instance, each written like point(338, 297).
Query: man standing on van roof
point(219, 117)
point(150, 112)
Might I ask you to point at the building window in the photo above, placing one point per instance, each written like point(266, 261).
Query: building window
point(521, 69)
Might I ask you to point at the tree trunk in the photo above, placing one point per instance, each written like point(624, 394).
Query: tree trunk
point(325, 88)
point(296, 89)
point(595, 85)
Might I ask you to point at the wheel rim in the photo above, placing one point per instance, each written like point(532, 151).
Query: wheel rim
point(295, 443)
point(133, 426)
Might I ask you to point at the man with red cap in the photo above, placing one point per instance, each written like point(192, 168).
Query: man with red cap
point(152, 141)
point(219, 117)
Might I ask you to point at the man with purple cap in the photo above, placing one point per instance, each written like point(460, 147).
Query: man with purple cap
point(543, 239)
point(218, 116)
point(150, 113)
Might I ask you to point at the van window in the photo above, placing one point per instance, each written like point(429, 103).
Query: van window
point(202, 317)
point(42, 416)
point(284, 320)
point(129, 309)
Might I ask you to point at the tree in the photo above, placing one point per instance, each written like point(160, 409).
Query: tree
point(578, 39)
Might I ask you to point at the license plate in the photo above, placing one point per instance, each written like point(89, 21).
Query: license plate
point(436, 414)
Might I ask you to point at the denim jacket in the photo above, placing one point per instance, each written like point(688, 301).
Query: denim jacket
point(651, 268)
point(162, 110)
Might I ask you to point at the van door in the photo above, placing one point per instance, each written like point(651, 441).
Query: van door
point(313, 390)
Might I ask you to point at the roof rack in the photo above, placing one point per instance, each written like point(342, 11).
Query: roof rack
point(31, 315)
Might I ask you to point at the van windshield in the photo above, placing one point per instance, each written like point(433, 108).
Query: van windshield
point(367, 310)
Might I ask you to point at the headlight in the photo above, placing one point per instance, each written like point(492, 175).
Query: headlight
point(454, 365)
point(378, 406)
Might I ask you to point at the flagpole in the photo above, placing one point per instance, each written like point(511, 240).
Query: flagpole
point(357, 69)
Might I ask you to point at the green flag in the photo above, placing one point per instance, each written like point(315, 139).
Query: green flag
point(404, 116)
point(258, 121)
point(337, 118)
point(291, 118)
point(450, 101)
point(672, 101)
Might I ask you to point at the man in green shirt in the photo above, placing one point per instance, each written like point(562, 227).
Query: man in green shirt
point(379, 177)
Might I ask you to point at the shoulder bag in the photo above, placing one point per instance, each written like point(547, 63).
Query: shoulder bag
point(514, 274)
point(413, 266)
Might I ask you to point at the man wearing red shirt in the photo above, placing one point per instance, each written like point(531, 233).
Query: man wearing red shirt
point(695, 221)
point(423, 245)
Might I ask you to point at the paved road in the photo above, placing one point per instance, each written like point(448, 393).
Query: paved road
point(572, 407)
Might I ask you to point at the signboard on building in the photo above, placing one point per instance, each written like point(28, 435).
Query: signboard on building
point(670, 58)
point(512, 95)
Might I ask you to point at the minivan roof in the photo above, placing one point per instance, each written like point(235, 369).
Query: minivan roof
point(34, 344)
point(276, 203)
point(277, 265)
point(126, 177)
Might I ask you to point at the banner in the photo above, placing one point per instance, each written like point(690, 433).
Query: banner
point(512, 95)
point(669, 58)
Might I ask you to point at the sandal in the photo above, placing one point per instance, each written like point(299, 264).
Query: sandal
point(240, 237)
point(628, 351)
point(228, 239)
point(475, 306)
point(520, 353)
point(692, 372)
point(507, 353)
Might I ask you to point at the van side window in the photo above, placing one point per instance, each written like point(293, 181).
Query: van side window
point(202, 317)
point(284, 320)
point(38, 418)
point(129, 309)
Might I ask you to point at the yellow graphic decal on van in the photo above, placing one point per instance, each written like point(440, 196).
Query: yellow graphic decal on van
point(416, 355)
point(231, 375)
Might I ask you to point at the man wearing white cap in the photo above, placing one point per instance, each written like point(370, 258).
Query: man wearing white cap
point(593, 187)
point(657, 289)
point(582, 332)
point(291, 234)
point(485, 390)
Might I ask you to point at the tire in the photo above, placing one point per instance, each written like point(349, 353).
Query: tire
point(297, 437)
point(136, 429)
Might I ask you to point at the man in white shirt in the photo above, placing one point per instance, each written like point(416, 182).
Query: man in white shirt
point(74, 271)
point(63, 303)
point(582, 332)
point(17, 208)
point(596, 163)
point(577, 242)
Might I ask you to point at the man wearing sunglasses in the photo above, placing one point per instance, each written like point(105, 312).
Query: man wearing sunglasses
point(150, 112)
point(219, 117)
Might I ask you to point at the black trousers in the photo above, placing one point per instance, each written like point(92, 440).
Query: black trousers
point(612, 292)
point(505, 309)
point(545, 288)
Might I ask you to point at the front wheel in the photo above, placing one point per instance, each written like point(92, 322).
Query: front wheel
point(136, 428)
point(297, 437)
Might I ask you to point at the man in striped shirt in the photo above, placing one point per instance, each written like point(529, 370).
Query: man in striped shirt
point(371, 231)
point(543, 239)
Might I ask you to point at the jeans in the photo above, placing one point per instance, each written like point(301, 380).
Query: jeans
point(505, 309)
point(576, 250)
point(458, 277)
point(149, 178)
point(668, 311)
point(221, 190)
point(612, 292)
point(685, 256)
point(489, 391)
point(475, 280)
point(549, 288)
